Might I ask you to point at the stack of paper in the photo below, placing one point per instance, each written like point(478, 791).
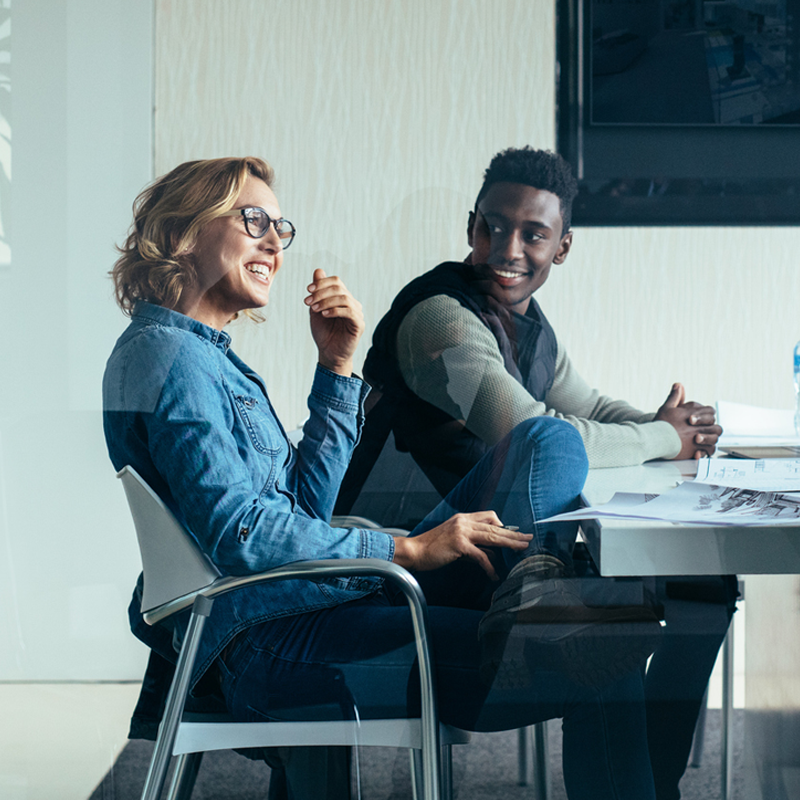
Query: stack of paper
point(744, 425)
point(725, 492)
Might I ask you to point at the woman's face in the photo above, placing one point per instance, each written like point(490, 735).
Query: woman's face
point(234, 270)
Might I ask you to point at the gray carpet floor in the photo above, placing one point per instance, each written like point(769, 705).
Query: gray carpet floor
point(484, 769)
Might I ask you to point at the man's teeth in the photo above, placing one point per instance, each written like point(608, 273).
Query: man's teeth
point(504, 273)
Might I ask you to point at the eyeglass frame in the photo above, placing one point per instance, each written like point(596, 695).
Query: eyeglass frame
point(270, 222)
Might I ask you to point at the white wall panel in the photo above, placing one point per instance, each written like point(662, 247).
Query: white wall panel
point(379, 119)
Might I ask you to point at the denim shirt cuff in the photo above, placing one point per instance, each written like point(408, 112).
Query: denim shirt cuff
point(377, 544)
point(339, 391)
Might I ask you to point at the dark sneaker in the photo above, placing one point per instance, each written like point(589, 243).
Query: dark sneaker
point(541, 617)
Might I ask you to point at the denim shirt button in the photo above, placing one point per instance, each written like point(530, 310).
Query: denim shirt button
point(243, 534)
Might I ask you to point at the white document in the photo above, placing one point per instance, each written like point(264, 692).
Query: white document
point(765, 475)
point(703, 504)
point(628, 505)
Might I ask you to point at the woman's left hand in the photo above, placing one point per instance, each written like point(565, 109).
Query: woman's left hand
point(337, 322)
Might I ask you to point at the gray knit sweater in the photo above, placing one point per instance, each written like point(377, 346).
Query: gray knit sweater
point(439, 330)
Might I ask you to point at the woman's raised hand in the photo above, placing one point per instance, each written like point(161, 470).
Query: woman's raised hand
point(337, 322)
point(462, 536)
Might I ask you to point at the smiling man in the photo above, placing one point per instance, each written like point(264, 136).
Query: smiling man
point(516, 235)
point(465, 354)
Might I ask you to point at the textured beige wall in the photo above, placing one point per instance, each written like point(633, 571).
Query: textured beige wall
point(379, 118)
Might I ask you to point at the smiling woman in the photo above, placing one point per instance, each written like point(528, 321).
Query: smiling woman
point(163, 260)
point(233, 268)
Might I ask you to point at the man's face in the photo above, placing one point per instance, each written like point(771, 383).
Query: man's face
point(515, 237)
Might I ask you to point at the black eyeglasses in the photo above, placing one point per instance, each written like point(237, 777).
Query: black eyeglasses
point(257, 222)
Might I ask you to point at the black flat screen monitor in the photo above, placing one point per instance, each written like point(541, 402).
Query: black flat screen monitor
point(681, 112)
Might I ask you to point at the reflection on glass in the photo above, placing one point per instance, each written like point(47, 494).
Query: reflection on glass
point(713, 62)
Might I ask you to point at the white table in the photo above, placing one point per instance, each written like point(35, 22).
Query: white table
point(641, 547)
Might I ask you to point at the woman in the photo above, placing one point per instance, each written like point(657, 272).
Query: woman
point(207, 243)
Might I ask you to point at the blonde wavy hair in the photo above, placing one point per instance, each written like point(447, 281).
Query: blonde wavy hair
point(155, 263)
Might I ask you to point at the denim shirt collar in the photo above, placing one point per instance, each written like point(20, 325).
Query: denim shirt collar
point(145, 312)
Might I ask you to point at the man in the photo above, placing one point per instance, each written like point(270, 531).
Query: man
point(465, 354)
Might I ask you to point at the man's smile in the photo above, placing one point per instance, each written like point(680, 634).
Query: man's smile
point(507, 277)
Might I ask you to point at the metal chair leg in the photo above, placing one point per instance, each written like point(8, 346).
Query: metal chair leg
point(447, 772)
point(162, 754)
point(541, 762)
point(699, 740)
point(541, 769)
point(417, 792)
point(184, 776)
point(446, 766)
point(523, 748)
point(727, 715)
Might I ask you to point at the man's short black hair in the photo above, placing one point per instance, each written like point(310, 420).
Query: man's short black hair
point(538, 168)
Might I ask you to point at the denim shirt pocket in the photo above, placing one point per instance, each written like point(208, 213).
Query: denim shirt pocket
point(261, 428)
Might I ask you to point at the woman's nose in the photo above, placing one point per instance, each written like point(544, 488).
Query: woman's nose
point(271, 241)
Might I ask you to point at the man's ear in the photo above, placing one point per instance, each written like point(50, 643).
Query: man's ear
point(470, 226)
point(563, 248)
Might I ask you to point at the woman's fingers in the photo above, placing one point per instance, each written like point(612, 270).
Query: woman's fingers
point(483, 560)
point(462, 536)
point(336, 302)
point(495, 537)
point(337, 321)
point(326, 287)
point(331, 298)
point(502, 537)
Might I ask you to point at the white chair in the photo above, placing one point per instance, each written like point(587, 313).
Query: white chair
point(178, 575)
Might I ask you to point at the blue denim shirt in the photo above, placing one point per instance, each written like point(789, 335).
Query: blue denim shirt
point(196, 423)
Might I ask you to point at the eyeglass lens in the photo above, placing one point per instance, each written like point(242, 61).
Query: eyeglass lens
point(258, 221)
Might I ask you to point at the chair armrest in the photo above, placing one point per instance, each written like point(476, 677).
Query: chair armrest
point(351, 521)
point(310, 570)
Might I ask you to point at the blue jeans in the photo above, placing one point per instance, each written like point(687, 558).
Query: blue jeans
point(358, 658)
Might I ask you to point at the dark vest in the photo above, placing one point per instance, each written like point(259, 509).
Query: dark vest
point(439, 444)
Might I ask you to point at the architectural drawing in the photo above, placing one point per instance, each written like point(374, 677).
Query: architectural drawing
point(749, 502)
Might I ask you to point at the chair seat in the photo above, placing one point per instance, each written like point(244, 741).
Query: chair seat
point(201, 732)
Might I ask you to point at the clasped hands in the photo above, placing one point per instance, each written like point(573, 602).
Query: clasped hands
point(695, 424)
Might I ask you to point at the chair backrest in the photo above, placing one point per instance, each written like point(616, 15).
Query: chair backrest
point(173, 564)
